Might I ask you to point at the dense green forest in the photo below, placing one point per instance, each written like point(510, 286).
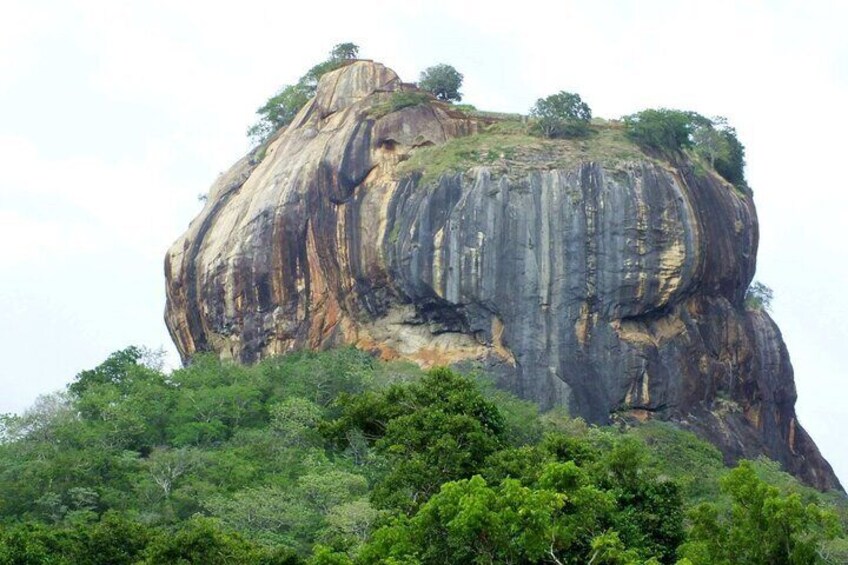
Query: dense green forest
point(336, 458)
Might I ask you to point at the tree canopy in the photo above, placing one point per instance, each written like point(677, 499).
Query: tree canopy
point(663, 128)
point(344, 51)
point(761, 527)
point(562, 115)
point(442, 81)
point(673, 131)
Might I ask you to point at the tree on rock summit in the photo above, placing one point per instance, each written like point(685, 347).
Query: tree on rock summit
point(443, 82)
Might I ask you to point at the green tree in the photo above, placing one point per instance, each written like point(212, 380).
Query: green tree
point(167, 467)
point(116, 370)
point(295, 420)
point(269, 513)
point(202, 540)
point(716, 140)
point(215, 398)
point(562, 115)
point(563, 519)
point(709, 140)
point(321, 377)
point(662, 128)
point(35, 544)
point(649, 512)
point(279, 110)
point(692, 463)
point(443, 82)
point(762, 526)
point(470, 522)
point(323, 491)
point(114, 540)
point(342, 51)
point(131, 412)
point(834, 551)
point(349, 524)
point(731, 163)
point(759, 296)
point(609, 549)
point(323, 555)
point(430, 432)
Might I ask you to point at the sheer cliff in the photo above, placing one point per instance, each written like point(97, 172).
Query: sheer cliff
point(586, 273)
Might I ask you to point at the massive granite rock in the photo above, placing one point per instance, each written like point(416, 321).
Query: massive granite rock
point(611, 283)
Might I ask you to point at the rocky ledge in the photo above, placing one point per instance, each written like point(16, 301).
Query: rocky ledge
point(601, 279)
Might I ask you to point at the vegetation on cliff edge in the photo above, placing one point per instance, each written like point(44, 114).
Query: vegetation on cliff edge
point(649, 134)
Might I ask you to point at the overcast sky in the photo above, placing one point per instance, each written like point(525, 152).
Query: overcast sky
point(115, 115)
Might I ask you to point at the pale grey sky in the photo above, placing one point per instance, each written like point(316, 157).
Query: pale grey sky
point(114, 116)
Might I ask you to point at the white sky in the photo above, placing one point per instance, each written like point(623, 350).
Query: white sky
point(114, 116)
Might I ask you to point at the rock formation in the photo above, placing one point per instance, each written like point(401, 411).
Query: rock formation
point(605, 280)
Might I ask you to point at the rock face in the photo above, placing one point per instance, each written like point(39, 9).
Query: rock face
point(611, 286)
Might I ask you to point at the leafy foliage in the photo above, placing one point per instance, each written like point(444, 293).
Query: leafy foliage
point(694, 465)
point(333, 458)
point(759, 296)
point(662, 128)
point(563, 517)
point(762, 527)
point(201, 540)
point(716, 140)
point(118, 540)
point(562, 115)
point(675, 130)
point(429, 432)
point(443, 82)
point(280, 110)
point(344, 51)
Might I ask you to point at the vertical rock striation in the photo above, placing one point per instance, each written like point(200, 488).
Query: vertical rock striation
point(613, 287)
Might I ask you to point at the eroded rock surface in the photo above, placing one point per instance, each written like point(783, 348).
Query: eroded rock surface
point(612, 287)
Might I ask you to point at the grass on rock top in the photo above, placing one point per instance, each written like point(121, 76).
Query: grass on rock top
point(507, 147)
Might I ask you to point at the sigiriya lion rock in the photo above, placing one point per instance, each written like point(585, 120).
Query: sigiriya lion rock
point(585, 273)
